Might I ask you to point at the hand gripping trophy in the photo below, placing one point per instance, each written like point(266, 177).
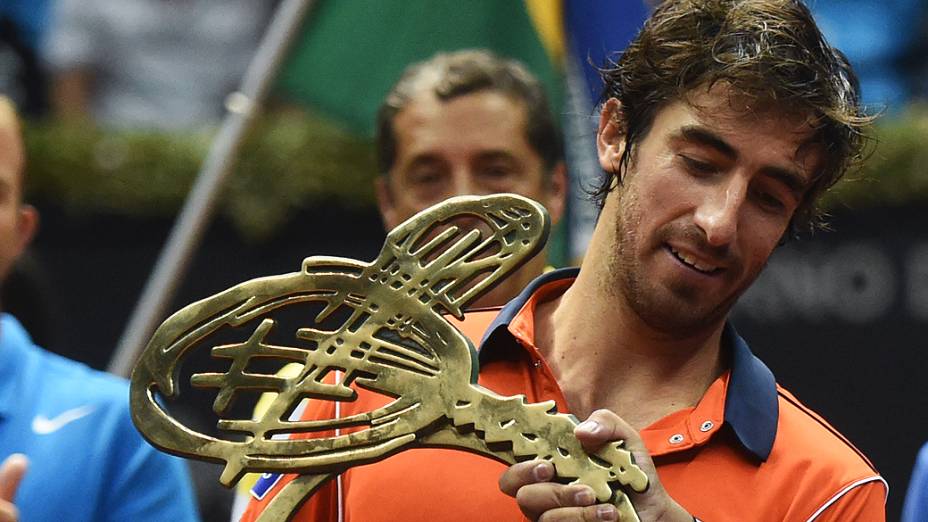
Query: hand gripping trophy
point(394, 340)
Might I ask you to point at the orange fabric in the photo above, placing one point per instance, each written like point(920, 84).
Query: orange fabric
point(811, 470)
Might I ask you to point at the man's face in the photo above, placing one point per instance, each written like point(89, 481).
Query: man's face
point(709, 192)
point(474, 144)
point(17, 222)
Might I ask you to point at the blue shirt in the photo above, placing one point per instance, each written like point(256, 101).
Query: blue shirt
point(30, 17)
point(86, 459)
point(916, 499)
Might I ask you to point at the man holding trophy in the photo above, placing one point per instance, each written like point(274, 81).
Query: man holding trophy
point(723, 123)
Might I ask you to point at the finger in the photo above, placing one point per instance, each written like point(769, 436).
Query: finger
point(537, 499)
point(524, 473)
point(603, 426)
point(11, 473)
point(8, 512)
point(599, 512)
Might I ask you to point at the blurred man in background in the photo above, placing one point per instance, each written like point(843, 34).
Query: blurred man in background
point(70, 447)
point(465, 123)
point(469, 123)
point(150, 63)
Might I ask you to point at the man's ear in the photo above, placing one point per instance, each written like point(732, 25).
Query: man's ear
point(557, 192)
point(385, 202)
point(610, 139)
point(27, 223)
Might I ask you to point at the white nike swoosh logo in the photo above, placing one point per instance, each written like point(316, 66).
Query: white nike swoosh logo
point(42, 425)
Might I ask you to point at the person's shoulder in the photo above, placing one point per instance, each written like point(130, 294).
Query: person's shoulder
point(64, 368)
point(78, 381)
point(920, 469)
point(922, 458)
point(819, 468)
point(811, 443)
point(58, 384)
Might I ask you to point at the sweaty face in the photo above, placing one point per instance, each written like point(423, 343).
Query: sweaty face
point(474, 144)
point(708, 194)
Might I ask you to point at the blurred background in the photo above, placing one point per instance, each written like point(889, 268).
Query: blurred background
point(123, 98)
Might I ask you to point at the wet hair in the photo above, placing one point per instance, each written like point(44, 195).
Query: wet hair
point(769, 51)
point(449, 75)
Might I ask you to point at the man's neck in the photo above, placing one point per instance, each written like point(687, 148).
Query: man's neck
point(604, 356)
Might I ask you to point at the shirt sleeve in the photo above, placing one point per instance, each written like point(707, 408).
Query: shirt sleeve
point(864, 500)
point(147, 485)
point(916, 498)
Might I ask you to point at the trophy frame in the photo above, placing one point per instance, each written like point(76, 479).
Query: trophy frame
point(395, 341)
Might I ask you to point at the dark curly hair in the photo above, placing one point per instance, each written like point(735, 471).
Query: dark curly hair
point(769, 50)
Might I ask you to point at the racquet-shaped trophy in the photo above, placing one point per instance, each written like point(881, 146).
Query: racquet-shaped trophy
point(394, 341)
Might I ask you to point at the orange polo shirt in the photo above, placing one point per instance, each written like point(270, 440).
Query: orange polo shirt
point(747, 451)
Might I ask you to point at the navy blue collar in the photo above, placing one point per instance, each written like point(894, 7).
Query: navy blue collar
point(751, 403)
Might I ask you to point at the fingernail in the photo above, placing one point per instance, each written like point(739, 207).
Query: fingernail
point(542, 472)
point(607, 512)
point(584, 497)
point(589, 426)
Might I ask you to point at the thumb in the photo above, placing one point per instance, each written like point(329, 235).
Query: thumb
point(11, 473)
point(604, 426)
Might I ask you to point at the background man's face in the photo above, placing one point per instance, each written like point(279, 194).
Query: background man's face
point(709, 193)
point(474, 144)
point(471, 144)
point(14, 232)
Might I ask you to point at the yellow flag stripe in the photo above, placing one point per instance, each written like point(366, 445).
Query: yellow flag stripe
point(548, 19)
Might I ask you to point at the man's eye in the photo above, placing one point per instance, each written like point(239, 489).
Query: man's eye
point(698, 167)
point(495, 171)
point(425, 176)
point(769, 200)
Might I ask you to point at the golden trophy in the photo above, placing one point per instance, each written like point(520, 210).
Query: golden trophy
point(394, 339)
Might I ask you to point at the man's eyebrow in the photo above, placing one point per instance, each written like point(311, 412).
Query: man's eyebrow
point(795, 181)
point(497, 154)
point(425, 158)
point(701, 135)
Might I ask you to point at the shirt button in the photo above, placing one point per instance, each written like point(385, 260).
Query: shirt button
point(537, 363)
point(676, 438)
point(706, 426)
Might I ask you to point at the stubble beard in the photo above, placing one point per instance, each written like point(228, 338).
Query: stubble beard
point(678, 310)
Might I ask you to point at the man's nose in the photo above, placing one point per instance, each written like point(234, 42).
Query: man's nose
point(463, 183)
point(718, 212)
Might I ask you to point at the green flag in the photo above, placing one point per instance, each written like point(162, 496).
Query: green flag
point(352, 51)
